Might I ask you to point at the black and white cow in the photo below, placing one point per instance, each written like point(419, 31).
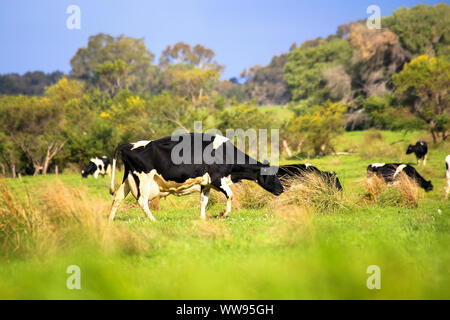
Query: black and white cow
point(447, 176)
point(151, 170)
point(389, 172)
point(97, 166)
point(420, 149)
point(287, 172)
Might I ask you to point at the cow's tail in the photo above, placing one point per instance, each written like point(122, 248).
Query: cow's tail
point(116, 152)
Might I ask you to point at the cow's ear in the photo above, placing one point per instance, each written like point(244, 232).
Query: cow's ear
point(266, 162)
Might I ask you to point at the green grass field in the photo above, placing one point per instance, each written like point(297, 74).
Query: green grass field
point(253, 254)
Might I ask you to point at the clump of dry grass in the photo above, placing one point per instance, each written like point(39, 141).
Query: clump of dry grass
point(249, 195)
point(56, 217)
point(404, 192)
point(310, 191)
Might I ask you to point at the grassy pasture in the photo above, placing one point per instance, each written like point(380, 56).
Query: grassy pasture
point(264, 253)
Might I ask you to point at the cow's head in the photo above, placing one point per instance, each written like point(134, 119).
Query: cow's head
point(410, 149)
point(427, 186)
point(269, 181)
point(335, 181)
point(90, 169)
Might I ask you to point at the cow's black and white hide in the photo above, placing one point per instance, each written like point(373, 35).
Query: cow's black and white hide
point(151, 171)
point(97, 166)
point(389, 172)
point(447, 176)
point(294, 171)
point(420, 149)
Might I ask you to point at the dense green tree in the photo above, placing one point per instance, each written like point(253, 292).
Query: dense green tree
point(31, 83)
point(198, 56)
point(424, 84)
point(34, 125)
point(97, 63)
point(317, 129)
point(305, 66)
point(423, 29)
point(244, 117)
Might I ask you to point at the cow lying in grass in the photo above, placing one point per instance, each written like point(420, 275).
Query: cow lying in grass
point(97, 166)
point(151, 170)
point(294, 171)
point(420, 149)
point(390, 172)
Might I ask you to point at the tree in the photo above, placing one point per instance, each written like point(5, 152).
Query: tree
point(37, 126)
point(318, 128)
point(198, 56)
point(33, 125)
point(424, 83)
point(423, 29)
point(377, 55)
point(31, 83)
point(195, 84)
point(244, 117)
point(113, 75)
point(304, 69)
point(97, 63)
point(267, 84)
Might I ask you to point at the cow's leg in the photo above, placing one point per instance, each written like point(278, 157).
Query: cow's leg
point(229, 194)
point(96, 174)
point(146, 184)
point(418, 161)
point(204, 196)
point(121, 193)
point(424, 159)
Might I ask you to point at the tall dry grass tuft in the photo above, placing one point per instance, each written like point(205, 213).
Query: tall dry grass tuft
point(404, 192)
point(249, 195)
point(56, 218)
point(313, 192)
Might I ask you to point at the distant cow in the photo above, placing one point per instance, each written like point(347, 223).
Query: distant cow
point(151, 170)
point(447, 176)
point(97, 166)
point(287, 172)
point(389, 172)
point(420, 149)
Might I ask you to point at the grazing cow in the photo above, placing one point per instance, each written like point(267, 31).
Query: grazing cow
point(154, 168)
point(390, 171)
point(420, 150)
point(287, 172)
point(447, 175)
point(97, 166)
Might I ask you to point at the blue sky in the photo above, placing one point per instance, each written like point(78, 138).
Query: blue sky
point(33, 34)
